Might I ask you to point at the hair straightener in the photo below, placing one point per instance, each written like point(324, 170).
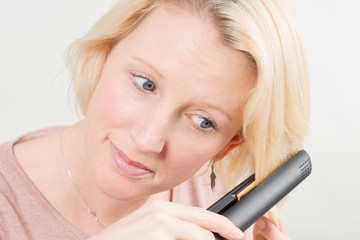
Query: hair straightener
point(247, 202)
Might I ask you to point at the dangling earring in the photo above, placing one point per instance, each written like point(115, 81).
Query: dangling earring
point(212, 176)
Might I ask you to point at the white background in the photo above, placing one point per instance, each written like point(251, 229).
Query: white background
point(34, 94)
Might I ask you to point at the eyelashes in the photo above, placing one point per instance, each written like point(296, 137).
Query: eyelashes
point(201, 124)
point(143, 83)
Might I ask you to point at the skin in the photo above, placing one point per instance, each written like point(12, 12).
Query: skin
point(265, 229)
point(165, 128)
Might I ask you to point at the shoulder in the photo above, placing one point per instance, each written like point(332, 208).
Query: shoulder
point(24, 212)
point(10, 220)
point(12, 176)
point(8, 166)
point(5, 152)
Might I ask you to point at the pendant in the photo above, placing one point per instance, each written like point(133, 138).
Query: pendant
point(93, 213)
point(212, 178)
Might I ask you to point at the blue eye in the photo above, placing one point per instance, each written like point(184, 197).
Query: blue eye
point(206, 124)
point(148, 85)
point(145, 83)
point(202, 122)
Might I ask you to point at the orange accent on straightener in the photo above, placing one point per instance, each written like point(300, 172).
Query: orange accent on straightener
point(247, 189)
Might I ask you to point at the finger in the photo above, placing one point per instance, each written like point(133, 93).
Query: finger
point(259, 237)
point(201, 217)
point(265, 229)
point(176, 228)
point(282, 228)
point(156, 225)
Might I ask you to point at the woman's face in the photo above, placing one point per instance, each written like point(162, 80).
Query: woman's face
point(168, 100)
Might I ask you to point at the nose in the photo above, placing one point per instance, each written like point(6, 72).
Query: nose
point(149, 134)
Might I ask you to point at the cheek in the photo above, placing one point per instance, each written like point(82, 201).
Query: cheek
point(108, 110)
point(110, 105)
point(189, 155)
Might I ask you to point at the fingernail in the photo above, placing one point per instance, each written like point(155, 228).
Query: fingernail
point(238, 234)
point(261, 224)
point(210, 235)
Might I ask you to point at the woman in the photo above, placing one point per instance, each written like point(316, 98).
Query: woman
point(166, 89)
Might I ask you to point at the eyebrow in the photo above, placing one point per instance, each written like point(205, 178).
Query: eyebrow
point(219, 109)
point(148, 64)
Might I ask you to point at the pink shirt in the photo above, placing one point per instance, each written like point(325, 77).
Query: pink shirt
point(26, 214)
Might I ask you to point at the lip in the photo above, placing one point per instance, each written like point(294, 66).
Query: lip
point(126, 166)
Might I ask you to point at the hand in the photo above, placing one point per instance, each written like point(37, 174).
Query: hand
point(162, 220)
point(264, 229)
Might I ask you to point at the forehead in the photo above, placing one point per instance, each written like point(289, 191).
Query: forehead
point(186, 48)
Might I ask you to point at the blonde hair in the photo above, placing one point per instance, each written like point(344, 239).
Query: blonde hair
point(276, 114)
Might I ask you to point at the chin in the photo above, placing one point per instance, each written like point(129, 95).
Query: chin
point(120, 188)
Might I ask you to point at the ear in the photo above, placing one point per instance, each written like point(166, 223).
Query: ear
point(236, 141)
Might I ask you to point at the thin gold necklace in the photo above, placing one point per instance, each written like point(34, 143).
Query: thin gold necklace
point(89, 208)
